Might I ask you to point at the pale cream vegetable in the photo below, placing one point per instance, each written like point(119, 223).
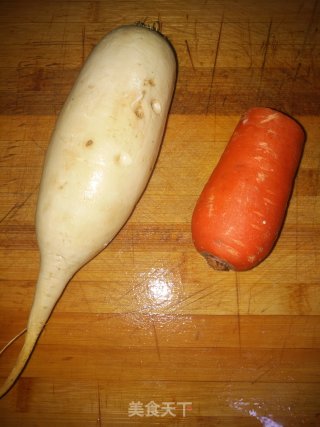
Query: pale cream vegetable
point(99, 160)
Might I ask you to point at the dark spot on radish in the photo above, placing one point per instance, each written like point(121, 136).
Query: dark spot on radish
point(149, 82)
point(122, 159)
point(117, 158)
point(89, 142)
point(61, 187)
point(138, 111)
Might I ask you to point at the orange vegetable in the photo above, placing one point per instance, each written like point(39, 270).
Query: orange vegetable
point(241, 209)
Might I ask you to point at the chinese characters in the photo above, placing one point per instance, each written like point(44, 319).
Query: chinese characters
point(153, 409)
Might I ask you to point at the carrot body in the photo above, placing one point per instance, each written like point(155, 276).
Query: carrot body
point(241, 209)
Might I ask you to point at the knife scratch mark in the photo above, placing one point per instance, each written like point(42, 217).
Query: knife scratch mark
point(266, 371)
point(265, 46)
point(83, 43)
point(296, 227)
point(156, 339)
point(15, 208)
point(217, 302)
point(99, 406)
point(38, 145)
point(308, 29)
point(300, 52)
point(238, 314)
point(6, 157)
point(214, 65)
point(189, 54)
point(196, 38)
point(250, 298)
point(178, 304)
point(286, 339)
point(250, 44)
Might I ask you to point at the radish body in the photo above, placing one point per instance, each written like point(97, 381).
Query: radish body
point(99, 160)
point(241, 209)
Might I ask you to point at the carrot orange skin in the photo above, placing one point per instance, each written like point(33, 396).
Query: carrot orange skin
point(241, 209)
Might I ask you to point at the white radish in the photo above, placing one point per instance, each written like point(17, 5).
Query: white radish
point(99, 160)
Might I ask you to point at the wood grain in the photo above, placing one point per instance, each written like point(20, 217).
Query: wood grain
point(147, 320)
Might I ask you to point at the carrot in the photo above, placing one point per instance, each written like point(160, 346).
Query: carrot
point(241, 209)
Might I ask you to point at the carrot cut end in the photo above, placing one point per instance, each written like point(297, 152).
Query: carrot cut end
point(215, 262)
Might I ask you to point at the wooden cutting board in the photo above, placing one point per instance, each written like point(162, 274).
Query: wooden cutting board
point(147, 321)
